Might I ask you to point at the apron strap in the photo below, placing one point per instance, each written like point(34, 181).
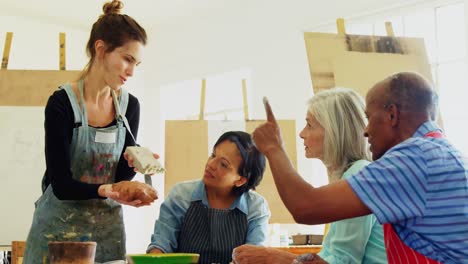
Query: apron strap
point(120, 105)
point(119, 116)
point(83, 104)
point(74, 102)
point(434, 134)
point(398, 252)
point(123, 99)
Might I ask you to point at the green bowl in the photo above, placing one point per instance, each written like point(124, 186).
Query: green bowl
point(169, 258)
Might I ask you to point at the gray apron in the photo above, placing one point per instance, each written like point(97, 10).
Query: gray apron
point(212, 233)
point(95, 153)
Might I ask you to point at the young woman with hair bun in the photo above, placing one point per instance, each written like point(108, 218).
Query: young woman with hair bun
point(88, 125)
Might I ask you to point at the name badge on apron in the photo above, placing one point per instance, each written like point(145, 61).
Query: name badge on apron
point(103, 137)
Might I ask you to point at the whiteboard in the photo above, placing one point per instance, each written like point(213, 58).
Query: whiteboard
point(22, 167)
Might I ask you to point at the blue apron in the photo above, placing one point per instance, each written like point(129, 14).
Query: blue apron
point(95, 153)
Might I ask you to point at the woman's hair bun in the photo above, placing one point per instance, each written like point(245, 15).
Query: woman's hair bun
point(113, 7)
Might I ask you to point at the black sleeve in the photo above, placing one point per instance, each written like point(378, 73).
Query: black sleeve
point(123, 172)
point(58, 125)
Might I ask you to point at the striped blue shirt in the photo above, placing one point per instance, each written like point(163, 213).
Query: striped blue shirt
point(420, 186)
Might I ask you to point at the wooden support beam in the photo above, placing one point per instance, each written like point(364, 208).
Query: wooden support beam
point(244, 97)
point(340, 26)
point(6, 50)
point(62, 61)
point(201, 115)
point(389, 29)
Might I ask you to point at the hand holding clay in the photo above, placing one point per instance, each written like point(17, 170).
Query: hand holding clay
point(130, 193)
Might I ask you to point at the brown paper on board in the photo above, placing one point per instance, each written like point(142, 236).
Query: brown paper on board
point(365, 73)
point(186, 151)
point(31, 87)
point(359, 61)
point(331, 57)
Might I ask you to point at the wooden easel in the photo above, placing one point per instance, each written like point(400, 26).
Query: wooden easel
point(360, 61)
point(201, 115)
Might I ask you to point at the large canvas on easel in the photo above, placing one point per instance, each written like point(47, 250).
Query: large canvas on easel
point(187, 147)
point(358, 62)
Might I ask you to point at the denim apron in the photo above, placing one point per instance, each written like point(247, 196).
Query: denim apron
point(212, 233)
point(95, 153)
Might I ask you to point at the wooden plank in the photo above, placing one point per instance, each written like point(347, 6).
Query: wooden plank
point(244, 98)
point(389, 29)
point(340, 26)
point(62, 61)
point(6, 50)
point(31, 87)
point(201, 115)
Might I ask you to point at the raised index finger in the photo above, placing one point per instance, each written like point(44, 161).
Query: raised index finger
point(269, 112)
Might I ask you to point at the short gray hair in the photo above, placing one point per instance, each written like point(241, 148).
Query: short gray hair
point(412, 92)
point(340, 111)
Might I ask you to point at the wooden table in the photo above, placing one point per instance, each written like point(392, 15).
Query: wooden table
point(298, 250)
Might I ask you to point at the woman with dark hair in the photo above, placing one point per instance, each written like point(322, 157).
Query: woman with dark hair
point(88, 125)
point(214, 215)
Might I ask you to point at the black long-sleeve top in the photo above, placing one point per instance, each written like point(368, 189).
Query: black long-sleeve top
point(59, 124)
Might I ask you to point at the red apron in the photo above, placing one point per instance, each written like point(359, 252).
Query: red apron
point(397, 251)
